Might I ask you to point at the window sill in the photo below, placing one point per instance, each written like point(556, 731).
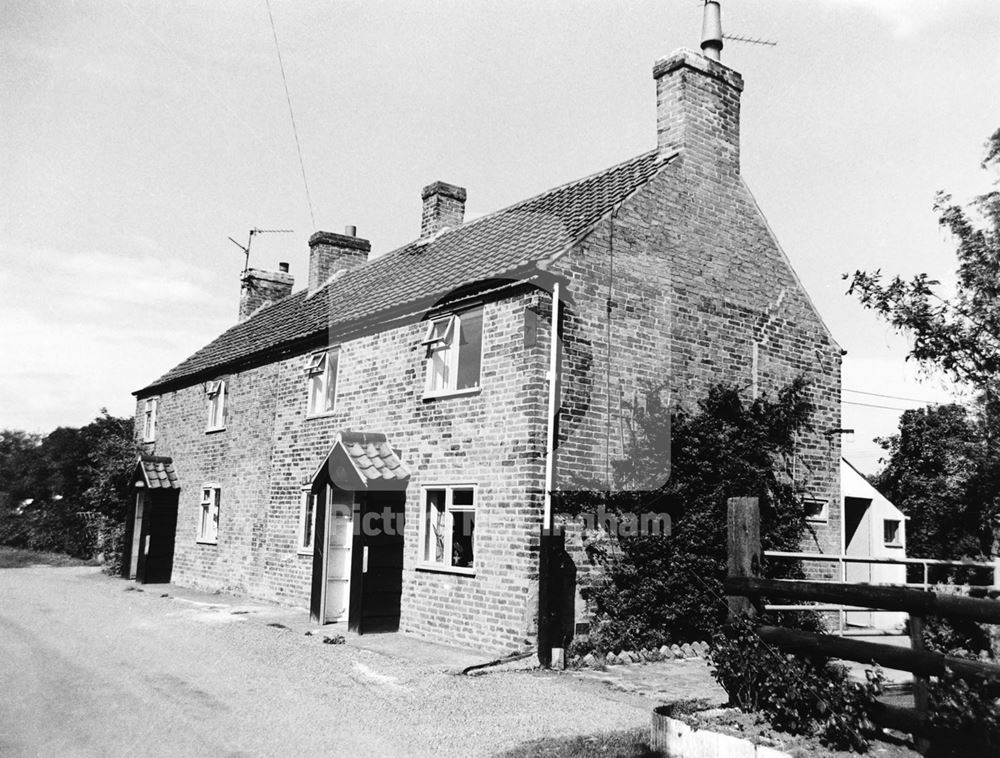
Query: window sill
point(436, 568)
point(451, 393)
point(304, 552)
point(324, 414)
point(213, 543)
point(214, 429)
point(895, 545)
point(818, 519)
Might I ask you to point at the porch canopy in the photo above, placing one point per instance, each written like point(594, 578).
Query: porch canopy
point(156, 472)
point(363, 461)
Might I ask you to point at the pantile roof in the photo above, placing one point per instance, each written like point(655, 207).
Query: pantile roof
point(507, 243)
point(158, 472)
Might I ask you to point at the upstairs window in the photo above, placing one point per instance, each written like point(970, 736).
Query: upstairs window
point(208, 518)
point(216, 394)
point(322, 374)
point(149, 420)
point(448, 528)
point(454, 352)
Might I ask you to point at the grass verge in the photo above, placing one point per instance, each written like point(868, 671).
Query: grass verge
point(632, 743)
point(15, 557)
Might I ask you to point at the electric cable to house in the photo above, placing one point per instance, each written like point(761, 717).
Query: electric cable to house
point(291, 114)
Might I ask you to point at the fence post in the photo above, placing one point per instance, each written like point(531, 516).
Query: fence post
point(921, 701)
point(743, 528)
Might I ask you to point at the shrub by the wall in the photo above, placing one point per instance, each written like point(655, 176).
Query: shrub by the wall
point(796, 694)
point(655, 590)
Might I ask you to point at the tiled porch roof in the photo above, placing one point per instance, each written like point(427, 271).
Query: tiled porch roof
point(158, 472)
point(362, 460)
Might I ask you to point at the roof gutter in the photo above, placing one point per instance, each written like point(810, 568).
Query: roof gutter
point(552, 425)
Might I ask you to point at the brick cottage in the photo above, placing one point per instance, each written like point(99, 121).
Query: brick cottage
point(410, 393)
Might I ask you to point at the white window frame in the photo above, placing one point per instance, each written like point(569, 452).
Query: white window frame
point(898, 542)
point(216, 393)
point(441, 337)
point(449, 522)
point(149, 419)
point(308, 498)
point(208, 514)
point(823, 515)
point(318, 378)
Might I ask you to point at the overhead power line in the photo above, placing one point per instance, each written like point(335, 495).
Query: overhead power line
point(891, 397)
point(291, 114)
point(871, 405)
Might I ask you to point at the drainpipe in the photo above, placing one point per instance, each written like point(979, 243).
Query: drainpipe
point(548, 654)
point(550, 439)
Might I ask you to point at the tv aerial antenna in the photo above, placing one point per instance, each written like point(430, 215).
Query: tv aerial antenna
point(712, 36)
point(253, 233)
point(749, 40)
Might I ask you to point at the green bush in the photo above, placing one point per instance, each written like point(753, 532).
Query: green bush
point(796, 694)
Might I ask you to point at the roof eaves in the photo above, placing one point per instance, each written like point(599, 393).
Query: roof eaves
point(323, 335)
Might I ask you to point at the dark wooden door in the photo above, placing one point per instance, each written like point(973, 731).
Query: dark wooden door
point(377, 571)
point(159, 527)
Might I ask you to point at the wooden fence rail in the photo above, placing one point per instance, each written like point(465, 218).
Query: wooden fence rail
point(745, 587)
point(885, 598)
point(921, 662)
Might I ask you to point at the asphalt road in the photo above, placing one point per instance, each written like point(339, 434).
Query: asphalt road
point(91, 667)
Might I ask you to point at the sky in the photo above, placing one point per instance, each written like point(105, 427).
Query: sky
point(138, 136)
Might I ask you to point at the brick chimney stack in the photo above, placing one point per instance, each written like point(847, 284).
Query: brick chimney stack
point(698, 110)
point(261, 288)
point(330, 253)
point(444, 206)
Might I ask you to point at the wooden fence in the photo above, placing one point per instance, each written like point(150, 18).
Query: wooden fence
point(745, 588)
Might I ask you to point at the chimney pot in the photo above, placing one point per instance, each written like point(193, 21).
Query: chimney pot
point(351, 230)
point(711, 30)
point(444, 207)
point(283, 267)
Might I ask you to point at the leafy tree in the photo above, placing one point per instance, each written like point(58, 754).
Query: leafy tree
point(63, 487)
point(930, 474)
point(958, 334)
point(112, 453)
point(665, 589)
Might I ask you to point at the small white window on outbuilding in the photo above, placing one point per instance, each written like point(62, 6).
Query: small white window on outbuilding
point(892, 533)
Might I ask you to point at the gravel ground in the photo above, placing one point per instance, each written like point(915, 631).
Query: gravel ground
point(91, 667)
